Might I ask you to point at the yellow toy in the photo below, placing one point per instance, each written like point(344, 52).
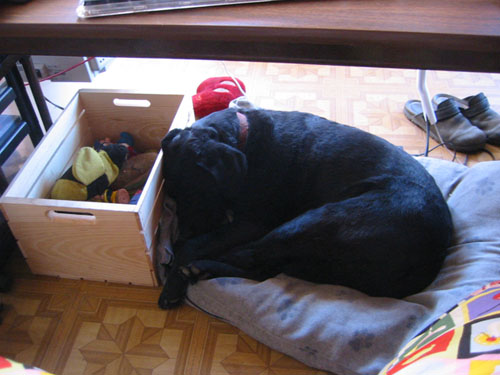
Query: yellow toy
point(93, 171)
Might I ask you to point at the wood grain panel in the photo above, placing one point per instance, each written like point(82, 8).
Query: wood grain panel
point(147, 125)
point(449, 34)
point(110, 248)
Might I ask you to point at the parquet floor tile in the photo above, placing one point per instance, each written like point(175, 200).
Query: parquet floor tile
point(81, 328)
point(77, 327)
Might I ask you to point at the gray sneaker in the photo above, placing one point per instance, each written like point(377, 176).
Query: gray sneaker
point(477, 110)
point(451, 128)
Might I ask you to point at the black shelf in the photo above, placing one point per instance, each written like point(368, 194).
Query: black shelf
point(12, 131)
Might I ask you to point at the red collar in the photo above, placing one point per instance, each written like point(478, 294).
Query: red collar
point(242, 141)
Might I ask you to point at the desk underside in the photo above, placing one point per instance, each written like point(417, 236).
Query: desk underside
point(449, 34)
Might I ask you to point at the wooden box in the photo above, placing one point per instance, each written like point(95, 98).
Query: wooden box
point(83, 239)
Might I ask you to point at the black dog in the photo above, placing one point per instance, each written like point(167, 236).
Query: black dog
point(308, 197)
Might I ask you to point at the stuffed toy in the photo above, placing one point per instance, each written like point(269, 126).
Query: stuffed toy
point(135, 171)
point(93, 171)
point(215, 94)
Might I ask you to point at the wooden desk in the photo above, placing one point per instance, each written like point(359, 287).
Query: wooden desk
point(425, 34)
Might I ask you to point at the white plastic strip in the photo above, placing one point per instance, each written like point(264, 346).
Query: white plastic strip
point(425, 97)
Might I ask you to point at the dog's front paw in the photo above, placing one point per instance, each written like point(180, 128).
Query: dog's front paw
point(174, 291)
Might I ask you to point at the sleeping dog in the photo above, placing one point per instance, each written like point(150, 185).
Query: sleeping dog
point(262, 192)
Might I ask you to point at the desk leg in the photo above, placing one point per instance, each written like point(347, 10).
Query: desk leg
point(34, 84)
point(24, 106)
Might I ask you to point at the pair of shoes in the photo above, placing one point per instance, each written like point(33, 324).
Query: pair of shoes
point(452, 127)
point(477, 110)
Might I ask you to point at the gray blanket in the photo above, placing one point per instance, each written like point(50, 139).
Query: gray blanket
point(341, 330)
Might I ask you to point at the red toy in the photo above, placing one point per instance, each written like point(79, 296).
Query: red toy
point(215, 94)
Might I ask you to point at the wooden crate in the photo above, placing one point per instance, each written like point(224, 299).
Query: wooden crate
point(93, 240)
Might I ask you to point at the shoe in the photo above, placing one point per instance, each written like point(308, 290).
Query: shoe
point(477, 110)
point(451, 128)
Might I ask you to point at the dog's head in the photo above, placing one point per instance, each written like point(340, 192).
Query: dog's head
point(203, 174)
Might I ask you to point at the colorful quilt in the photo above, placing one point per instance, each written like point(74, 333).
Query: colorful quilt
point(10, 367)
point(466, 340)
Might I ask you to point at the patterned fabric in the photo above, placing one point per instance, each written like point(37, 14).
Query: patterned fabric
point(10, 367)
point(464, 341)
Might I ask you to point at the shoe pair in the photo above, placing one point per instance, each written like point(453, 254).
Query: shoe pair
point(464, 125)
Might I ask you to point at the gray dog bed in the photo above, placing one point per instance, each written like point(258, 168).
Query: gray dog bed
point(338, 329)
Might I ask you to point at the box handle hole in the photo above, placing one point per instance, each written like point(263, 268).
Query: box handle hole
point(71, 217)
point(142, 103)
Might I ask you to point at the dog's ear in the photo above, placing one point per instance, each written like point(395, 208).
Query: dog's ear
point(227, 165)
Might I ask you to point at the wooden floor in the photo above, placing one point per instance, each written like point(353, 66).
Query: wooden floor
point(72, 327)
point(82, 327)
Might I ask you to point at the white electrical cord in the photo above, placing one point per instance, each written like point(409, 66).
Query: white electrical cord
point(429, 114)
point(242, 102)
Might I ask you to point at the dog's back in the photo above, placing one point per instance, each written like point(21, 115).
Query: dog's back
point(309, 160)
